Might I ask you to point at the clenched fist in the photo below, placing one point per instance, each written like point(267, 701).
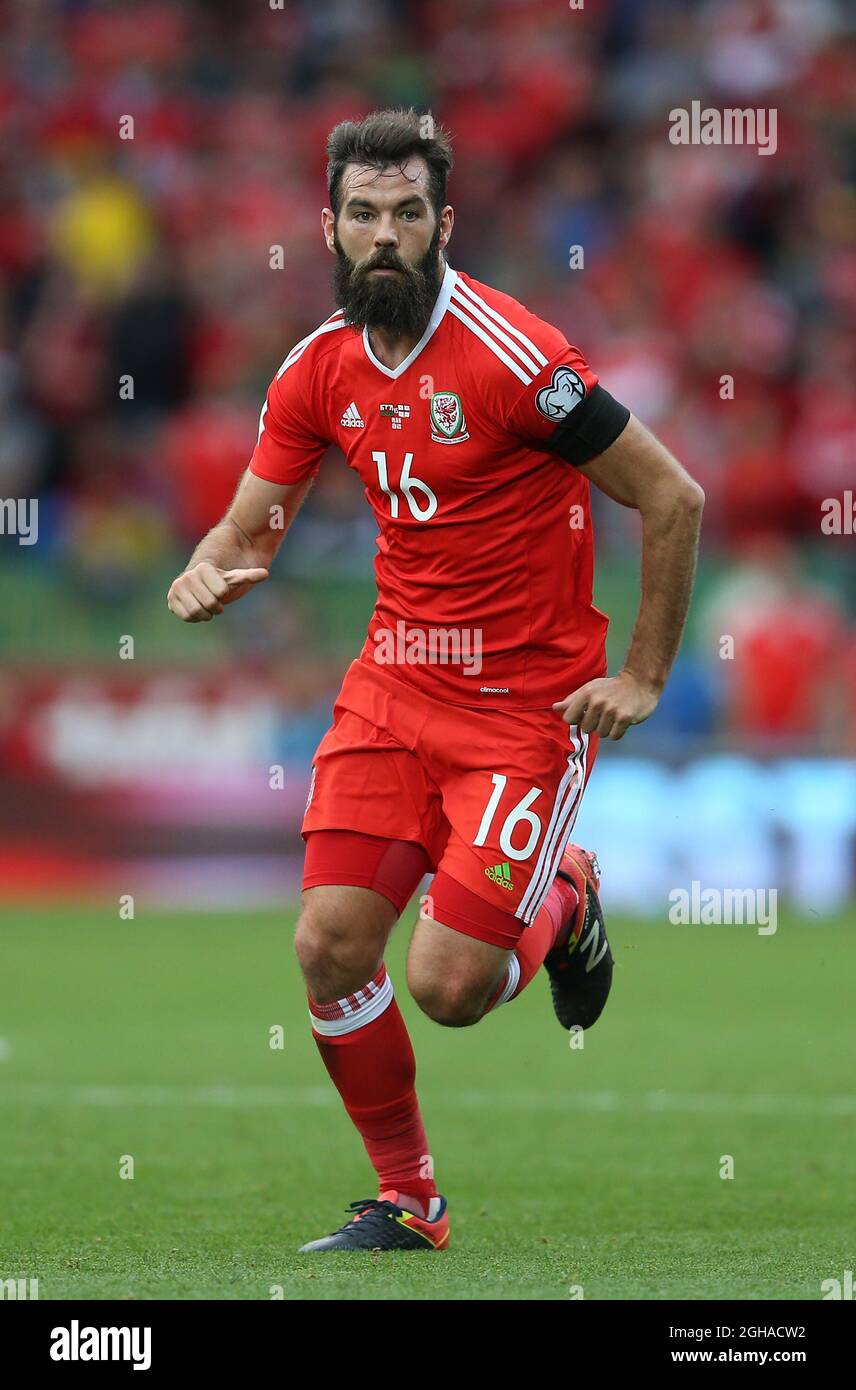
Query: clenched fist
point(609, 706)
point(203, 591)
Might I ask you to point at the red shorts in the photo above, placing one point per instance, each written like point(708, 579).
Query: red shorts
point(489, 795)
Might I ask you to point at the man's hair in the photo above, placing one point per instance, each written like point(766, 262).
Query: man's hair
point(390, 137)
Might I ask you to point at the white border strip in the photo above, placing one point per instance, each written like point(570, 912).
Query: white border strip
point(65, 1095)
point(567, 798)
point(511, 982)
point(357, 1018)
point(565, 829)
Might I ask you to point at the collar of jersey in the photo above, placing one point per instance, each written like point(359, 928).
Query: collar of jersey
point(447, 285)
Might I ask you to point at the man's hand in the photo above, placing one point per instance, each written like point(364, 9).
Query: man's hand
point(609, 706)
point(203, 591)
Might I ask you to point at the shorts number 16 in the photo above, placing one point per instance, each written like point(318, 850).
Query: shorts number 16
point(518, 813)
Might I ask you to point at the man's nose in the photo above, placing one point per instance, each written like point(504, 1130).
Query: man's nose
point(386, 234)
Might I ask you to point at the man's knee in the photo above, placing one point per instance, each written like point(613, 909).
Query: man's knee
point(315, 944)
point(340, 939)
point(457, 1000)
point(452, 977)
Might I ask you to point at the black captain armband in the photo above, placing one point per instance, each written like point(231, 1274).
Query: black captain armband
point(588, 428)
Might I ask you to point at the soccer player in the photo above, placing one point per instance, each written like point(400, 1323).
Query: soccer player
point(465, 732)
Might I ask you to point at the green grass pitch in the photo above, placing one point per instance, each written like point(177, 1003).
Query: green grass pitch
point(594, 1168)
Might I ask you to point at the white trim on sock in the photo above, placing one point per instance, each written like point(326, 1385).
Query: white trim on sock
point(511, 982)
point(357, 1018)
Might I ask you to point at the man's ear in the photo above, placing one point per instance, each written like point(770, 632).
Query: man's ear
point(328, 227)
point(447, 222)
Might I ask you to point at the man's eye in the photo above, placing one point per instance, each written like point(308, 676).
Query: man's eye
point(411, 213)
point(358, 216)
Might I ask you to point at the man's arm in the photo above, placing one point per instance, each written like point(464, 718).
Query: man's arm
point(637, 471)
point(238, 551)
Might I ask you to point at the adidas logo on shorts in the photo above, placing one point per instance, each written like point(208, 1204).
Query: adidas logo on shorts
point(501, 874)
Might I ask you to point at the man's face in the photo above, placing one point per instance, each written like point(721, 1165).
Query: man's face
point(387, 240)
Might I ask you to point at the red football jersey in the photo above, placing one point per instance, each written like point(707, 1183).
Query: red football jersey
point(485, 547)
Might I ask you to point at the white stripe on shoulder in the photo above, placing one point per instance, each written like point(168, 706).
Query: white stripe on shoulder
point(529, 363)
point(499, 318)
point(329, 326)
point(455, 308)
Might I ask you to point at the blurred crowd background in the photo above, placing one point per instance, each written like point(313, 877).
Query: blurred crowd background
point(150, 257)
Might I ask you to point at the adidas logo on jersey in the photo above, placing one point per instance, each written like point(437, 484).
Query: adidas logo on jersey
point(501, 874)
point(351, 418)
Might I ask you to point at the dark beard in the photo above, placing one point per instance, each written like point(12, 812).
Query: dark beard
point(401, 305)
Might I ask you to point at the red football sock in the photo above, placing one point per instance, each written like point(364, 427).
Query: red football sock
point(367, 1051)
point(551, 926)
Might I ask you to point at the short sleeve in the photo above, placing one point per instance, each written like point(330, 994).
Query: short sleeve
point(290, 444)
point(564, 409)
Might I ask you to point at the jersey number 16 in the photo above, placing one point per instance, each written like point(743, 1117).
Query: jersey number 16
point(408, 485)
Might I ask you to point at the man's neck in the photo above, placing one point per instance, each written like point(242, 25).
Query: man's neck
point(392, 348)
